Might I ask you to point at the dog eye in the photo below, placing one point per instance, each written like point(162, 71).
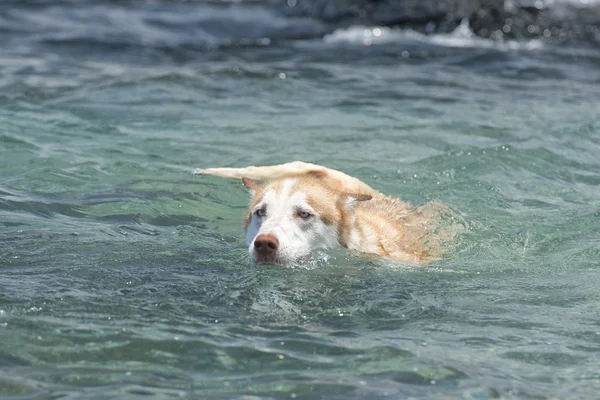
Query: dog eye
point(260, 213)
point(304, 215)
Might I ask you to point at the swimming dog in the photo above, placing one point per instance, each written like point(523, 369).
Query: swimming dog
point(304, 207)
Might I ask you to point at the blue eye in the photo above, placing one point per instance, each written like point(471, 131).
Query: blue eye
point(304, 215)
point(260, 213)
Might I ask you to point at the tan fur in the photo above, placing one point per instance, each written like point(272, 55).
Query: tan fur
point(375, 223)
point(335, 179)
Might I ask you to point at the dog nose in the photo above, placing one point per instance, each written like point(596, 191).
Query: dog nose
point(266, 244)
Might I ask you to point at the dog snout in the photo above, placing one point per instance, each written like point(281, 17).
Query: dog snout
point(266, 244)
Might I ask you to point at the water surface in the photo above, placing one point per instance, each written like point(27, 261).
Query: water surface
point(123, 275)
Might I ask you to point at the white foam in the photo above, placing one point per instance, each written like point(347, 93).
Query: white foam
point(462, 36)
point(574, 3)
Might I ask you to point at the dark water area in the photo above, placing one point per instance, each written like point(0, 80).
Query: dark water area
point(122, 275)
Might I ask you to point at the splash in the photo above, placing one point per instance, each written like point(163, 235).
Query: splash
point(433, 230)
point(462, 37)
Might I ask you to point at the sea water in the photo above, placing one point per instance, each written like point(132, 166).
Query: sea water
point(122, 275)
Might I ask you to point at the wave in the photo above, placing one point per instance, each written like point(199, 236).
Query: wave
point(218, 24)
point(462, 36)
point(155, 25)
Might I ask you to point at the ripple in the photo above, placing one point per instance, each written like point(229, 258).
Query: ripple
point(555, 359)
point(121, 274)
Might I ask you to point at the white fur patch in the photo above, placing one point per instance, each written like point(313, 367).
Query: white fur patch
point(297, 237)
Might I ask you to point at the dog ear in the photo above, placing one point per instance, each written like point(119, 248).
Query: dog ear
point(250, 185)
point(351, 199)
point(316, 174)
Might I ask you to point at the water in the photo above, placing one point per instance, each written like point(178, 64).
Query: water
point(122, 275)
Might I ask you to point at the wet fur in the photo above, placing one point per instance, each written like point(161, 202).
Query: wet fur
point(364, 219)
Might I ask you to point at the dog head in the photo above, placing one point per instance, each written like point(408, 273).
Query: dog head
point(289, 218)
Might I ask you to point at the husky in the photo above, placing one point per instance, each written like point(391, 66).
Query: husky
point(303, 207)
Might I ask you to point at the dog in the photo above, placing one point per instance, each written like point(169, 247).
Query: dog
point(304, 207)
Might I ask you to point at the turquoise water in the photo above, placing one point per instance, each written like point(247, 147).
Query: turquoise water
point(122, 275)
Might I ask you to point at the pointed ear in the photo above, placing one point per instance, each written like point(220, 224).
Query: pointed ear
point(352, 199)
point(250, 184)
point(316, 174)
